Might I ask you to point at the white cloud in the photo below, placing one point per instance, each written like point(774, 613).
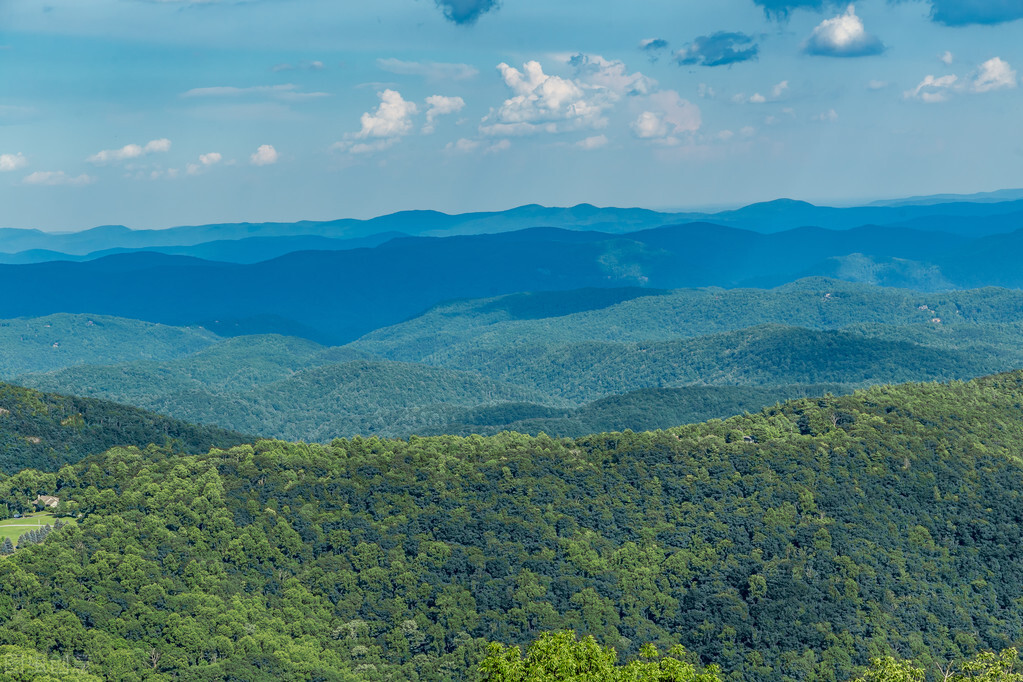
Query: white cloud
point(463, 146)
point(932, 89)
point(594, 70)
point(948, 58)
point(994, 74)
point(777, 92)
point(843, 36)
point(439, 105)
point(205, 161)
point(705, 91)
point(829, 116)
point(131, 151)
point(593, 142)
point(877, 85)
point(265, 155)
point(12, 162)
point(392, 118)
point(547, 103)
point(667, 117)
point(382, 127)
point(649, 125)
point(429, 70)
point(725, 135)
point(57, 178)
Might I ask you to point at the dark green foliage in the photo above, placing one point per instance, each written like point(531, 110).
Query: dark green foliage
point(793, 544)
point(46, 431)
point(646, 409)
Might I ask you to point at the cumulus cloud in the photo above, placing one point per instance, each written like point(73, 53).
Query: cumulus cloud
point(130, 151)
point(265, 155)
point(466, 12)
point(392, 118)
point(205, 161)
point(593, 142)
point(546, 103)
point(718, 49)
point(53, 178)
point(843, 36)
point(611, 74)
point(429, 70)
point(439, 105)
point(12, 162)
point(994, 74)
point(947, 58)
point(382, 127)
point(666, 117)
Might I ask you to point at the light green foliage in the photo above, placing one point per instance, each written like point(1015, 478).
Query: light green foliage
point(562, 657)
point(18, 664)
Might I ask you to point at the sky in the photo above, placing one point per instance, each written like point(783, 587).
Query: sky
point(155, 113)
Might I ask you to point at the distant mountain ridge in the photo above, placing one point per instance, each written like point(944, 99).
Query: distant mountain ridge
point(28, 245)
point(337, 296)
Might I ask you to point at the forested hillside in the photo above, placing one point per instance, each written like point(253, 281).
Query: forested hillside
point(44, 344)
point(792, 544)
point(470, 365)
point(46, 431)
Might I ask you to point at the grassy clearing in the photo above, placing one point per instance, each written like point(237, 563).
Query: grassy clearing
point(14, 528)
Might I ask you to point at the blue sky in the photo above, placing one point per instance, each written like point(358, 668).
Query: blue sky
point(154, 113)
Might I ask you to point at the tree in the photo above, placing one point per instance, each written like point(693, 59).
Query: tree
point(561, 657)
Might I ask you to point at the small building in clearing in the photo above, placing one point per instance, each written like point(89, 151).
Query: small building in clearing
point(47, 500)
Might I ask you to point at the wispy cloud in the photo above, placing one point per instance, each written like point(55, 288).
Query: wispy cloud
point(54, 178)
point(301, 66)
point(429, 70)
point(130, 151)
point(288, 92)
point(994, 74)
